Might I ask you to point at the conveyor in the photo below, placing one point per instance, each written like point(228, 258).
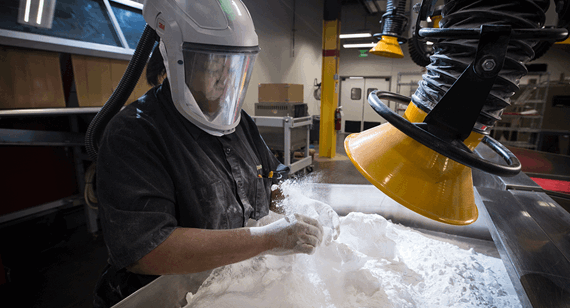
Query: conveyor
point(530, 230)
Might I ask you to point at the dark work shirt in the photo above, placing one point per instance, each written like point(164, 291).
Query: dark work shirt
point(156, 171)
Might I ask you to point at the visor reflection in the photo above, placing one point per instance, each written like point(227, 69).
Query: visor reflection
point(218, 82)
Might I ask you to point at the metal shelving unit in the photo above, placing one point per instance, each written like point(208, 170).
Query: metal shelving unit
point(73, 139)
point(106, 28)
point(521, 122)
point(288, 124)
point(49, 111)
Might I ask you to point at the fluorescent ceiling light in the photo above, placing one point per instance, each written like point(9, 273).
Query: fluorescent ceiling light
point(355, 77)
point(365, 45)
point(36, 13)
point(130, 3)
point(40, 12)
point(27, 13)
point(354, 35)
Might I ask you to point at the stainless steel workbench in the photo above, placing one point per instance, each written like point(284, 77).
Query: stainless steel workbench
point(530, 230)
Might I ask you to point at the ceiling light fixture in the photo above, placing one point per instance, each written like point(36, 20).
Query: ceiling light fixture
point(363, 45)
point(37, 13)
point(40, 12)
point(354, 35)
point(27, 12)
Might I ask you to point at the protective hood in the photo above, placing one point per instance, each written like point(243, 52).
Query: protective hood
point(209, 48)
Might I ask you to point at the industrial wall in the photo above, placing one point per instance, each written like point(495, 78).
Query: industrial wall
point(558, 62)
point(287, 56)
point(353, 18)
point(353, 65)
point(296, 56)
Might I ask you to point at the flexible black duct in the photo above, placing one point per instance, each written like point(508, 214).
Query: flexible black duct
point(418, 52)
point(452, 56)
point(121, 93)
point(394, 21)
point(541, 48)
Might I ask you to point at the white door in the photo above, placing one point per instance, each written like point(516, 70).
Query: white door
point(352, 101)
point(371, 118)
point(357, 113)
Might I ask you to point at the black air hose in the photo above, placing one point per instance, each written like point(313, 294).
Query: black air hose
point(418, 52)
point(394, 21)
point(121, 93)
point(541, 48)
point(452, 56)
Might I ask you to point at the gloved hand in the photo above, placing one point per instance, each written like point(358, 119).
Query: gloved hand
point(328, 217)
point(318, 210)
point(292, 234)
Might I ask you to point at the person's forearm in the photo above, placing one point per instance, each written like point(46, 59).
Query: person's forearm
point(189, 250)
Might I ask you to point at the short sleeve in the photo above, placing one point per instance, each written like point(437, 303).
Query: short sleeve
point(135, 192)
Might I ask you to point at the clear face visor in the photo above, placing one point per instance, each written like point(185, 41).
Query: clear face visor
point(218, 80)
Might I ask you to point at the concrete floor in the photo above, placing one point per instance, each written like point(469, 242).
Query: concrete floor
point(51, 266)
point(337, 170)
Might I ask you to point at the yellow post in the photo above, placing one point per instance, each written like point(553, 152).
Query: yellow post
point(329, 87)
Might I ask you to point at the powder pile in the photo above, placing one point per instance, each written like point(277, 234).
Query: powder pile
point(373, 263)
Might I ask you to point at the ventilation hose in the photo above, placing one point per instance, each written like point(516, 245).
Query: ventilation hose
point(452, 56)
point(418, 52)
point(394, 21)
point(121, 93)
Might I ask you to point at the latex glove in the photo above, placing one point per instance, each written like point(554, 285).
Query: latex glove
point(329, 218)
point(322, 212)
point(291, 235)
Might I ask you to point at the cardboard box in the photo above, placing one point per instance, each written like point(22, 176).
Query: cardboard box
point(280, 92)
point(96, 79)
point(30, 79)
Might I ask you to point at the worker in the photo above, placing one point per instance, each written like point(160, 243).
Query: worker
point(181, 170)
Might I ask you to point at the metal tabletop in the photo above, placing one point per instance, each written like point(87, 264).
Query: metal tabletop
point(530, 230)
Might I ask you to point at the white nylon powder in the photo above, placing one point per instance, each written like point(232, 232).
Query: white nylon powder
point(373, 263)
